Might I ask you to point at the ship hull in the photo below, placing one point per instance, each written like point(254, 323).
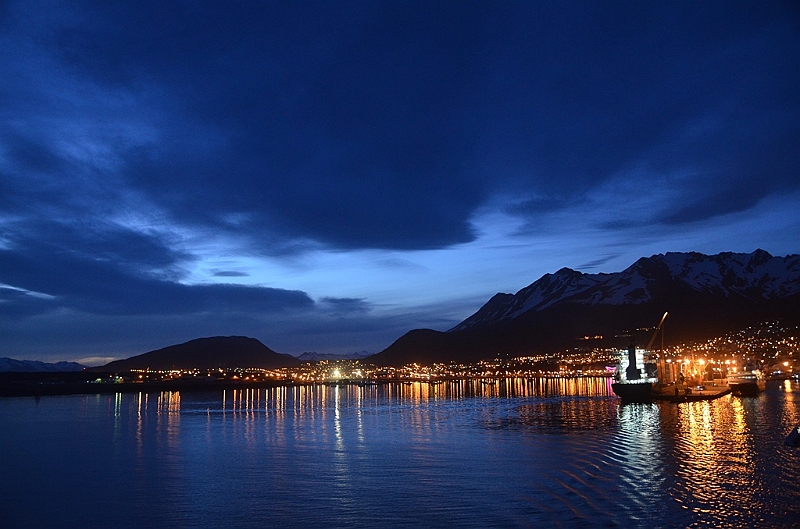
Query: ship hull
point(748, 384)
point(642, 392)
point(747, 389)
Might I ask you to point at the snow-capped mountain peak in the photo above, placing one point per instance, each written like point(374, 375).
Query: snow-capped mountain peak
point(755, 276)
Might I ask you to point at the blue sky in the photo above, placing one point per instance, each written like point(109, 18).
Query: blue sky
point(327, 176)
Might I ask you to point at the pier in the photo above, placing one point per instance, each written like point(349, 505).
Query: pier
point(681, 393)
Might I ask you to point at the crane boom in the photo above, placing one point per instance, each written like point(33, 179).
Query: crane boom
point(660, 324)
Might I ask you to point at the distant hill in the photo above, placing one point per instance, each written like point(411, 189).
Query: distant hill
point(706, 296)
point(9, 365)
point(207, 353)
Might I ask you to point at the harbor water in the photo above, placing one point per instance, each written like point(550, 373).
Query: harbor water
point(507, 453)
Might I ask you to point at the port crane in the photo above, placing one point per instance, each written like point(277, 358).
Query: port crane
point(653, 339)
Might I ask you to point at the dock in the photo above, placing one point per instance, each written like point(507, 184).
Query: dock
point(674, 393)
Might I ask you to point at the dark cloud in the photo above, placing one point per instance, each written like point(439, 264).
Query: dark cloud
point(18, 304)
point(29, 156)
point(387, 125)
point(123, 273)
point(598, 262)
point(228, 273)
point(337, 138)
point(541, 205)
point(29, 173)
point(346, 306)
point(88, 241)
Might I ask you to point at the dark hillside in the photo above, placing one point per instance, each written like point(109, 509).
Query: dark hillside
point(206, 353)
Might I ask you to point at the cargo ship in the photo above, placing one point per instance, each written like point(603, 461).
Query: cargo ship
point(636, 376)
point(632, 382)
point(749, 382)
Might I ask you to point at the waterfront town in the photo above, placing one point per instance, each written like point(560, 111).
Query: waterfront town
point(775, 349)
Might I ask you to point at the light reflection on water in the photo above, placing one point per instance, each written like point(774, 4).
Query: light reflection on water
point(508, 452)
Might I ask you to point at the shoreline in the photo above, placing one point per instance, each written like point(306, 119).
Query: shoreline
point(83, 383)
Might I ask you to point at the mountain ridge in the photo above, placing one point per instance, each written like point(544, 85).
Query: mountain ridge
point(632, 285)
point(705, 294)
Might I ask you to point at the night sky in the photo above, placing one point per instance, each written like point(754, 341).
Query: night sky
point(327, 176)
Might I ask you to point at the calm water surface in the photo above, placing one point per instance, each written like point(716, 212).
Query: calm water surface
point(515, 453)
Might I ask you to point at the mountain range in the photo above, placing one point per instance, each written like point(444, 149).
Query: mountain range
point(705, 295)
point(10, 365)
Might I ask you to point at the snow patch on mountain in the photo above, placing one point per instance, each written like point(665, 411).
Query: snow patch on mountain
point(552, 287)
point(620, 290)
point(757, 274)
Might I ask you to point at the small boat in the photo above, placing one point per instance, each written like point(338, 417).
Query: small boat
point(748, 383)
